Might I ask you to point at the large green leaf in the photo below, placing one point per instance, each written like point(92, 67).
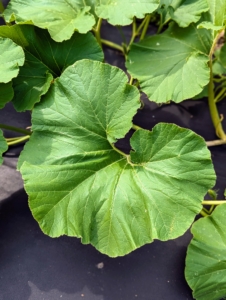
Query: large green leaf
point(121, 12)
point(184, 12)
point(45, 59)
point(3, 146)
point(206, 257)
point(172, 65)
point(11, 58)
point(60, 17)
point(79, 185)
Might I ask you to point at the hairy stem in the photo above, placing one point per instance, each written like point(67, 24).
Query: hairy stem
point(15, 129)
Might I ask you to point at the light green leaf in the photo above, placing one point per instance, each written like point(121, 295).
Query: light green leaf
point(6, 93)
point(11, 57)
point(184, 12)
point(45, 59)
point(60, 17)
point(206, 257)
point(3, 146)
point(214, 19)
point(121, 12)
point(79, 185)
point(172, 65)
point(204, 93)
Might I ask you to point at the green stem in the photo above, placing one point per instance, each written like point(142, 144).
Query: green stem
point(213, 202)
point(97, 31)
point(2, 8)
point(131, 80)
point(213, 108)
point(220, 95)
point(112, 45)
point(203, 213)
point(144, 31)
point(23, 139)
point(12, 128)
point(136, 127)
point(119, 151)
point(215, 143)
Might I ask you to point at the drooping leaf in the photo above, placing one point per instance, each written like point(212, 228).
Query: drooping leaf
point(11, 58)
point(172, 65)
point(206, 257)
point(60, 17)
point(121, 12)
point(6, 93)
point(3, 146)
point(88, 189)
point(184, 12)
point(45, 59)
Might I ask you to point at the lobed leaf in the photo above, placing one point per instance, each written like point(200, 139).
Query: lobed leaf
point(206, 257)
point(184, 12)
point(89, 189)
point(121, 12)
point(60, 17)
point(172, 65)
point(45, 60)
point(3, 146)
point(6, 93)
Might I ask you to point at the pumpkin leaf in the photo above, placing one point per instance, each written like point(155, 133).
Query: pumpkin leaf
point(60, 17)
point(6, 93)
point(206, 257)
point(89, 189)
point(172, 65)
point(45, 60)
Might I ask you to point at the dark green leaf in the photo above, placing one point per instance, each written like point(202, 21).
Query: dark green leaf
point(206, 257)
point(3, 146)
point(6, 93)
point(79, 185)
point(45, 59)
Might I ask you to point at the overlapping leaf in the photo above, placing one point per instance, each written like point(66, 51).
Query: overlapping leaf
point(121, 12)
point(45, 59)
point(206, 257)
point(88, 189)
point(62, 18)
point(172, 65)
point(184, 12)
point(215, 18)
point(3, 146)
point(11, 58)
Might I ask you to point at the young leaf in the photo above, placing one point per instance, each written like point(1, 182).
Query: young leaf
point(172, 65)
point(184, 12)
point(206, 257)
point(11, 57)
point(3, 146)
point(121, 12)
point(60, 17)
point(45, 59)
point(80, 185)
